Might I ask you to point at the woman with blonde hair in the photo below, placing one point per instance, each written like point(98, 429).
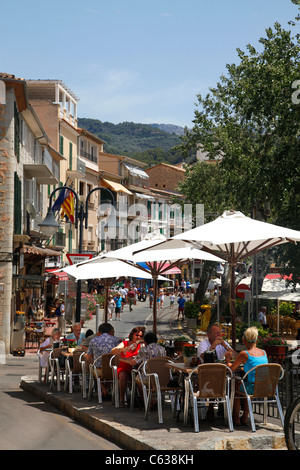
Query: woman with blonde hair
point(252, 356)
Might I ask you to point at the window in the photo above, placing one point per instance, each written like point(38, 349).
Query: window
point(81, 188)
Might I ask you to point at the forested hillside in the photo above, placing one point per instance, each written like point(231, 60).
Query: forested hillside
point(145, 142)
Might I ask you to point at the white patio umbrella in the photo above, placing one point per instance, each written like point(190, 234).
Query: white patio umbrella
point(108, 270)
point(234, 237)
point(158, 261)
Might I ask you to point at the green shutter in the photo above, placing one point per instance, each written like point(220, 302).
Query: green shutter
point(17, 133)
point(17, 205)
point(61, 144)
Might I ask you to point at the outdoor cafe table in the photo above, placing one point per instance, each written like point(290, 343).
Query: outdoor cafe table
point(185, 371)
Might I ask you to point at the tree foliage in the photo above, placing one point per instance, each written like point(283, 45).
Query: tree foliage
point(250, 120)
point(144, 142)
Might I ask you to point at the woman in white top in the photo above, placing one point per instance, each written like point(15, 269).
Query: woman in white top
point(111, 307)
point(162, 298)
point(48, 345)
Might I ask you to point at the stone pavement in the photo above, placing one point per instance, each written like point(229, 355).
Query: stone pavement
point(132, 432)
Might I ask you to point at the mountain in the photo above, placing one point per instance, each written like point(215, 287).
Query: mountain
point(144, 142)
point(170, 128)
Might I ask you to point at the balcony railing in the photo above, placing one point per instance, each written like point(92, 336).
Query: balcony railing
point(88, 156)
point(41, 165)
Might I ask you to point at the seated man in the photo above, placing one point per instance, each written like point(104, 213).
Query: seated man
point(103, 343)
point(216, 342)
point(77, 336)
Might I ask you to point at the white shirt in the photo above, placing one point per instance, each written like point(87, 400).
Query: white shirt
point(262, 318)
point(205, 346)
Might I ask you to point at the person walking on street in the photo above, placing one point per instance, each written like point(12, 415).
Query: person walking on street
point(131, 299)
point(118, 306)
point(151, 298)
point(60, 313)
point(181, 302)
point(111, 307)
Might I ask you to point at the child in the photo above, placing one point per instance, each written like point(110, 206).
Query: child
point(172, 299)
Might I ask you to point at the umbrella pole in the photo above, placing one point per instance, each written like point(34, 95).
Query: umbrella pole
point(232, 304)
point(155, 286)
point(106, 285)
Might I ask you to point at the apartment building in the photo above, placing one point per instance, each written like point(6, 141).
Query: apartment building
point(28, 164)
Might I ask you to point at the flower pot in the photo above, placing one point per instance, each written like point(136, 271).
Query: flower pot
point(187, 360)
point(276, 353)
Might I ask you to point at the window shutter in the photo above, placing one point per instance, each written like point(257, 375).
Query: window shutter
point(17, 204)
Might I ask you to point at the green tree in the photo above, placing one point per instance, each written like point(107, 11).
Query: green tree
point(250, 120)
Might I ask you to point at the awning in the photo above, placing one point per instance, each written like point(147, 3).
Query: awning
point(37, 250)
point(116, 186)
point(135, 171)
point(144, 196)
point(57, 276)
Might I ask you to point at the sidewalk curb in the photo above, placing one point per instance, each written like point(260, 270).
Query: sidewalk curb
point(158, 437)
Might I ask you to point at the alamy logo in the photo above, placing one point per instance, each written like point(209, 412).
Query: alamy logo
point(296, 355)
point(296, 93)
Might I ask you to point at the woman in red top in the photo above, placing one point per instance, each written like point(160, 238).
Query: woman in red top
point(127, 349)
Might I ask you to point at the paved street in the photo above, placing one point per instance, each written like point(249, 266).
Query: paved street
point(141, 314)
point(28, 423)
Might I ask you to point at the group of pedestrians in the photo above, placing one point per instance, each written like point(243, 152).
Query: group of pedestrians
point(117, 302)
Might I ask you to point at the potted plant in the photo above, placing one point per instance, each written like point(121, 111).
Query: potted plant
point(275, 346)
point(178, 343)
point(70, 344)
point(191, 312)
point(188, 351)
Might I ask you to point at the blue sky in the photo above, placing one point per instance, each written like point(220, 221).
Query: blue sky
point(133, 60)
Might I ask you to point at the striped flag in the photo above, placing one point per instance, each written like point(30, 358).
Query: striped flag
point(67, 207)
point(61, 197)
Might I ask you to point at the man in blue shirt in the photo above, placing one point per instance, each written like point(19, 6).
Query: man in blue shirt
point(181, 302)
point(77, 336)
point(103, 343)
point(118, 302)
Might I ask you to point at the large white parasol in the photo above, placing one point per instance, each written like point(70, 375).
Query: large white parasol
point(234, 237)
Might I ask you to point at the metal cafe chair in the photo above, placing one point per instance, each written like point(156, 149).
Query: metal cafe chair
point(102, 375)
point(265, 391)
point(74, 370)
point(212, 385)
point(159, 376)
point(40, 368)
point(57, 371)
point(138, 380)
